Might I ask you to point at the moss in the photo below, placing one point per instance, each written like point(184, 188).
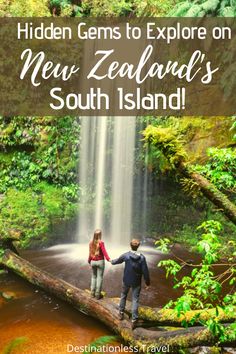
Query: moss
point(195, 133)
point(203, 132)
point(168, 141)
point(5, 159)
point(32, 213)
point(215, 350)
point(171, 315)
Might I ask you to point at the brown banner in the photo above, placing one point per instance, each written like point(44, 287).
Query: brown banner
point(147, 66)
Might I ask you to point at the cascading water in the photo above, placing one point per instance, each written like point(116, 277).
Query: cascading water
point(106, 175)
point(113, 189)
point(122, 178)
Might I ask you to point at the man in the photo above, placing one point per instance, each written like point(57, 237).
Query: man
point(135, 268)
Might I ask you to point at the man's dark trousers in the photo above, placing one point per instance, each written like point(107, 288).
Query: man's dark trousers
point(135, 299)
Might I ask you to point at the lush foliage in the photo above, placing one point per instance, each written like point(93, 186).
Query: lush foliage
point(194, 212)
point(193, 135)
point(220, 168)
point(201, 8)
point(38, 160)
point(168, 141)
point(153, 7)
point(125, 8)
point(38, 149)
point(233, 128)
point(29, 214)
point(203, 287)
point(64, 8)
point(86, 8)
point(187, 8)
point(106, 8)
point(24, 8)
point(1, 253)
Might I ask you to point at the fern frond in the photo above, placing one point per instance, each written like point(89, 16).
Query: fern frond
point(193, 11)
point(210, 5)
point(181, 9)
point(99, 342)
point(13, 344)
point(227, 12)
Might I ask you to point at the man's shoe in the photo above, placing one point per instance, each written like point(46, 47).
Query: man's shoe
point(99, 297)
point(92, 294)
point(121, 316)
point(134, 324)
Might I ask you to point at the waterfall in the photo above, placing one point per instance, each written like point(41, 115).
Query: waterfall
point(101, 148)
point(113, 190)
point(122, 178)
point(106, 173)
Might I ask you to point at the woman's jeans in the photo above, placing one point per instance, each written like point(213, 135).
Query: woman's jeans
point(97, 276)
point(135, 299)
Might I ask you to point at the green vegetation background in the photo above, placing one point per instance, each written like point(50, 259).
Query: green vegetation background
point(39, 156)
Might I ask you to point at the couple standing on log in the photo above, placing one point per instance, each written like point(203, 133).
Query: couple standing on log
point(135, 268)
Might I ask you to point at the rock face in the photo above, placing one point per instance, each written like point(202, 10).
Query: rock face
point(204, 132)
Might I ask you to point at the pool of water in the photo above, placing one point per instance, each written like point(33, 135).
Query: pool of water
point(69, 262)
point(48, 324)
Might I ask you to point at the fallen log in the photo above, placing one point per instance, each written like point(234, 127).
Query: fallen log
point(105, 310)
point(187, 338)
point(210, 191)
point(168, 317)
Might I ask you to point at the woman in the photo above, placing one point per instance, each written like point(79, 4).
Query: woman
point(97, 252)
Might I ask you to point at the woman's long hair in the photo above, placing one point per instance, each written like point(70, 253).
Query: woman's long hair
point(94, 244)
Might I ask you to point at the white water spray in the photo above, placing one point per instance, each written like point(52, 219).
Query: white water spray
point(122, 179)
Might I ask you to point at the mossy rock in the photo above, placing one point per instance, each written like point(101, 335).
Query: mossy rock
point(29, 216)
point(203, 132)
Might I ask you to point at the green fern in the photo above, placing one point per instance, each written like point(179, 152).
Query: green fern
point(202, 8)
point(210, 5)
point(168, 141)
point(182, 8)
point(99, 342)
point(227, 12)
point(201, 13)
point(193, 11)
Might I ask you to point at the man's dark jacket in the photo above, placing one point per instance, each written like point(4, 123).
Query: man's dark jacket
point(135, 268)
